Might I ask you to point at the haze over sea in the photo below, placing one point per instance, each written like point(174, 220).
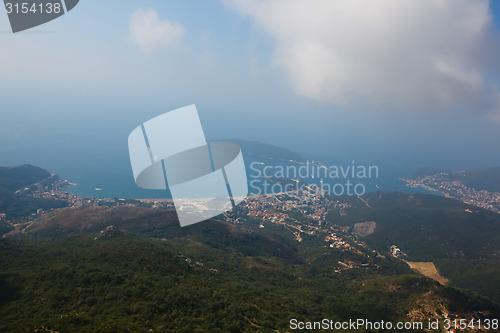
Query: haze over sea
point(94, 154)
point(424, 94)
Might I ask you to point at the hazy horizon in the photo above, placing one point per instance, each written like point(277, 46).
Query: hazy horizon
point(421, 91)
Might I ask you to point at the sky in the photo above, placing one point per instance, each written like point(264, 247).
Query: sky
point(403, 83)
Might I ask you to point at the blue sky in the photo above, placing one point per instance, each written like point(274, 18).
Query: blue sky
point(413, 84)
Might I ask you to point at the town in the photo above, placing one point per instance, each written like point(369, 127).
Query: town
point(445, 185)
point(301, 212)
point(304, 212)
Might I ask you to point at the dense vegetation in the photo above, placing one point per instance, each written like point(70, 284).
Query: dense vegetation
point(14, 178)
point(481, 276)
point(18, 206)
point(70, 272)
point(480, 179)
point(128, 283)
point(464, 245)
point(426, 227)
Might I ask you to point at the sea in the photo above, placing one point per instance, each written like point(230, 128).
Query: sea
point(114, 179)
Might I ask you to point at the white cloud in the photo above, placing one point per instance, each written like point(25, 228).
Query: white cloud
point(428, 53)
point(149, 32)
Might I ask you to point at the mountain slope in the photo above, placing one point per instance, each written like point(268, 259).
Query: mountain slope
point(463, 241)
point(13, 178)
point(16, 206)
point(426, 227)
point(122, 282)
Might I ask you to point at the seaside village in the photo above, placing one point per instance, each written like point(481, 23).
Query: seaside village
point(302, 212)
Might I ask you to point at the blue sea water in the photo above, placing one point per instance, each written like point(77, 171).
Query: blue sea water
point(95, 157)
point(114, 179)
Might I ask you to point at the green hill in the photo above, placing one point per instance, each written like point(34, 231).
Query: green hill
point(481, 179)
point(15, 206)
point(134, 269)
point(13, 178)
point(482, 276)
point(426, 227)
point(205, 278)
point(463, 241)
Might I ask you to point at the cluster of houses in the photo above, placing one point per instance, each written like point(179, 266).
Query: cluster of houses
point(396, 251)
